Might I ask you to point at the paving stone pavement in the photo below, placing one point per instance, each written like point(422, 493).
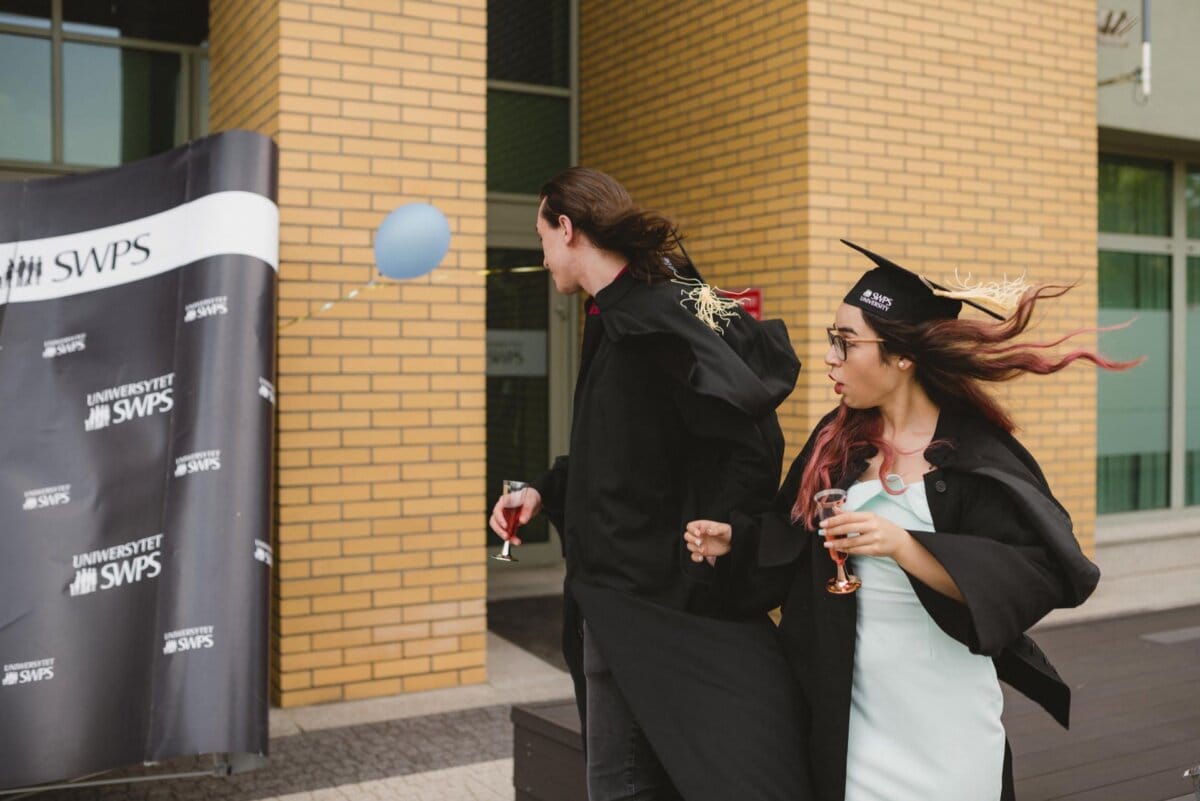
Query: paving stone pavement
point(1132, 734)
point(484, 781)
point(324, 764)
point(444, 745)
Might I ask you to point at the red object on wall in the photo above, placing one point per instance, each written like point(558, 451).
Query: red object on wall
point(750, 299)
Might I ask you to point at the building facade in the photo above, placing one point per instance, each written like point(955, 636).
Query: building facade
point(995, 139)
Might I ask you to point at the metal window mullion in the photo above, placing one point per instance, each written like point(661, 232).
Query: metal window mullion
point(1178, 457)
point(530, 88)
point(514, 197)
point(131, 42)
point(40, 167)
point(57, 119)
point(25, 30)
point(1136, 243)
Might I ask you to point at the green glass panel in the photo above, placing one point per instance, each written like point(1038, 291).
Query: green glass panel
point(1133, 411)
point(24, 98)
point(1192, 196)
point(1132, 282)
point(528, 41)
point(119, 104)
point(1192, 467)
point(528, 140)
point(518, 413)
point(1135, 196)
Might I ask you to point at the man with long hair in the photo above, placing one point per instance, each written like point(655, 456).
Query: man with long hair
point(958, 544)
point(683, 691)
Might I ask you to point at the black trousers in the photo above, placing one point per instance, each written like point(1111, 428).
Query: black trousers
point(621, 764)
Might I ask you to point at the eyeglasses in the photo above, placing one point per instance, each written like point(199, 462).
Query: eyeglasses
point(841, 342)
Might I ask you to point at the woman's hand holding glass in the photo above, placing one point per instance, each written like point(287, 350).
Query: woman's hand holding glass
point(878, 536)
point(865, 534)
point(708, 539)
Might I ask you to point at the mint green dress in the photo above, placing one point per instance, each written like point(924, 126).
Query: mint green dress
point(924, 711)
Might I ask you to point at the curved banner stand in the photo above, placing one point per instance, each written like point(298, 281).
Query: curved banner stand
point(137, 355)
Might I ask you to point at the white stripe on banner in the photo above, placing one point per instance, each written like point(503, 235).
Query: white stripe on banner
point(214, 225)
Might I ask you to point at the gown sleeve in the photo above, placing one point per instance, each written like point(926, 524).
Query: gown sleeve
point(767, 548)
point(1001, 564)
point(734, 458)
point(731, 464)
point(552, 485)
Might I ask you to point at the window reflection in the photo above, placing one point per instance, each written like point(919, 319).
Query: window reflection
point(528, 140)
point(1135, 196)
point(119, 104)
point(25, 98)
point(1133, 408)
point(528, 42)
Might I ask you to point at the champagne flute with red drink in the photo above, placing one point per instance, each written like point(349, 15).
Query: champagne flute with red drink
point(512, 499)
point(829, 503)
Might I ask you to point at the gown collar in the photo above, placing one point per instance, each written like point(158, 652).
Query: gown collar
point(913, 499)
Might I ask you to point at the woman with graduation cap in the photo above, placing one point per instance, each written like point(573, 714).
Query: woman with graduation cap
point(958, 544)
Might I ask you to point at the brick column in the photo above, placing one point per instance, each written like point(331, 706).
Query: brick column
point(951, 134)
point(698, 108)
point(244, 66)
point(380, 559)
point(942, 133)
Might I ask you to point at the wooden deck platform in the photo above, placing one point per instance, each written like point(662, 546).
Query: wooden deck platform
point(1135, 720)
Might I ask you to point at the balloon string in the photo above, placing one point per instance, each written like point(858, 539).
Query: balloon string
point(536, 268)
point(374, 282)
point(353, 293)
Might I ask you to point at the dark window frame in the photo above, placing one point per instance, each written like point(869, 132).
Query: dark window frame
point(193, 106)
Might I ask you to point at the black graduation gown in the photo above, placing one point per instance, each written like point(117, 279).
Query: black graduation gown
point(1000, 534)
point(675, 422)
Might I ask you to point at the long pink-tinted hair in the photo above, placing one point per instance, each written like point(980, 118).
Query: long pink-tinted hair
point(952, 358)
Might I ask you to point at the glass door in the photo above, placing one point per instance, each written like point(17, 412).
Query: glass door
point(521, 412)
point(532, 332)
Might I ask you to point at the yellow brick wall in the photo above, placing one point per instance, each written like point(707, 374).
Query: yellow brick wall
point(243, 89)
point(381, 451)
point(698, 107)
point(941, 133)
point(954, 134)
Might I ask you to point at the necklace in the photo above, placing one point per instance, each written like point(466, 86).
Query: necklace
point(903, 452)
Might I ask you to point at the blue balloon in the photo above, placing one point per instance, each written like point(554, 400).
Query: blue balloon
point(411, 241)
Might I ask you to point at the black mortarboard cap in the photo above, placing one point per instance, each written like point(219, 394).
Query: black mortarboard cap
point(895, 293)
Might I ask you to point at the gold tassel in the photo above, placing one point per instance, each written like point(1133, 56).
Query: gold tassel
point(1000, 298)
point(708, 306)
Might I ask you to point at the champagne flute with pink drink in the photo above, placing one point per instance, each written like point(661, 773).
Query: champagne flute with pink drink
point(829, 503)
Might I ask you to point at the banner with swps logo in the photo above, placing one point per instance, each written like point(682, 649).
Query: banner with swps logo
point(136, 336)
